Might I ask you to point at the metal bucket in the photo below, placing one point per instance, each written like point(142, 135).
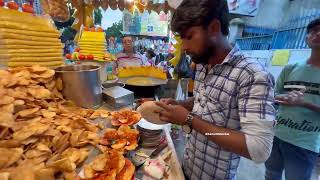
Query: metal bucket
point(81, 84)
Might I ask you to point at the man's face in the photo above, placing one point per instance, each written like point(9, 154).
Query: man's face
point(196, 42)
point(313, 38)
point(127, 44)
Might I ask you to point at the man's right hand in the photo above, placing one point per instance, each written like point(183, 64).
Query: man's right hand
point(188, 104)
point(168, 101)
point(293, 98)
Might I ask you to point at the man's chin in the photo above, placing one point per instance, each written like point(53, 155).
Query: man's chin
point(198, 60)
point(315, 46)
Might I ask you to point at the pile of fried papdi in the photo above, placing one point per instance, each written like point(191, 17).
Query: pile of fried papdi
point(44, 137)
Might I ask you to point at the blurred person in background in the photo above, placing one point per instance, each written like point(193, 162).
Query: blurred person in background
point(128, 58)
point(150, 55)
point(296, 144)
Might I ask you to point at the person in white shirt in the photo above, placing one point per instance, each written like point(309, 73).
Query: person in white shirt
point(128, 58)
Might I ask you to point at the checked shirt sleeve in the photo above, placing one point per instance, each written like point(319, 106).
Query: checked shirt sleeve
point(257, 114)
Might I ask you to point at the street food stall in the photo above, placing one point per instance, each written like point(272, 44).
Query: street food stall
point(57, 122)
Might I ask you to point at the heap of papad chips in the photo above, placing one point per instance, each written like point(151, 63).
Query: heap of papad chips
point(43, 136)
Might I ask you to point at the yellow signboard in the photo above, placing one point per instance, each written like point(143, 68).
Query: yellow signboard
point(280, 57)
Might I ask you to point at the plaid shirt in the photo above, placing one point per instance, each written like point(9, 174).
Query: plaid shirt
point(237, 89)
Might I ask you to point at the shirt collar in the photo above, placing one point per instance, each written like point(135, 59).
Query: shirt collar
point(232, 55)
point(229, 59)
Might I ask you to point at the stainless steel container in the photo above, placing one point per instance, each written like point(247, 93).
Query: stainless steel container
point(81, 84)
point(118, 97)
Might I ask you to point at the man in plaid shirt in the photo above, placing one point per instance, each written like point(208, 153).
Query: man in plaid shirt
point(231, 113)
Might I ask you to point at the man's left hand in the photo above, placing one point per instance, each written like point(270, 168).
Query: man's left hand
point(174, 114)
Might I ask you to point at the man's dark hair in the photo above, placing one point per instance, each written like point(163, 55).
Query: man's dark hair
point(200, 13)
point(126, 35)
point(313, 24)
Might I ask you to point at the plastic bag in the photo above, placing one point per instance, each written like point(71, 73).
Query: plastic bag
point(183, 68)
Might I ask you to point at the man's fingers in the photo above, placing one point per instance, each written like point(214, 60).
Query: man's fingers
point(300, 93)
point(303, 90)
point(162, 112)
point(282, 97)
point(163, 105)
point(293, 94)
point(164, 101)
point(281, 102)
point(168, 101)
point(296, 93)
point(164, 118)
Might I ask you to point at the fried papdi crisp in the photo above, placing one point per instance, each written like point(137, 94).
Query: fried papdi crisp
point(72, 153)
point(37, 69)
point(47, 74)
point(42, 147)
point(131, 145)
point(9, 156)
point(22, 173)
point(29, 140)
point(9, 108)
point(59, 84)
point(39, 92)
point(119, 144)
point(28, 112)
point(47, 114)
point(44, 174)
point(75, 137)
point(127, 171)
point(19, 92)
point(65, 129)
point(84, 153)
point(63, 165)
point(29, 130)
point(88, 171)
point(6, 119)
point(4, 176)
point(6, 100)
point(51, 85)
point(10, 143)
point(19, 102)
point(34, 153)
point(99, 162)
point(125, 117)
point(70, 175)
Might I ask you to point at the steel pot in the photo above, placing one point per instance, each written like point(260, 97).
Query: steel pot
point(81, 84)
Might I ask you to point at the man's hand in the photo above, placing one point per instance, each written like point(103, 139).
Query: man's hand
point(188, 104)
point(168, 101)
point(174, 114)
point(293, 98)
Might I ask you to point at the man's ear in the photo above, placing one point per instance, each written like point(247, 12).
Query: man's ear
point(214, 27)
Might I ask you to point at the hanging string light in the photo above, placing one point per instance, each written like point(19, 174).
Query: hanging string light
point(140, 5)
